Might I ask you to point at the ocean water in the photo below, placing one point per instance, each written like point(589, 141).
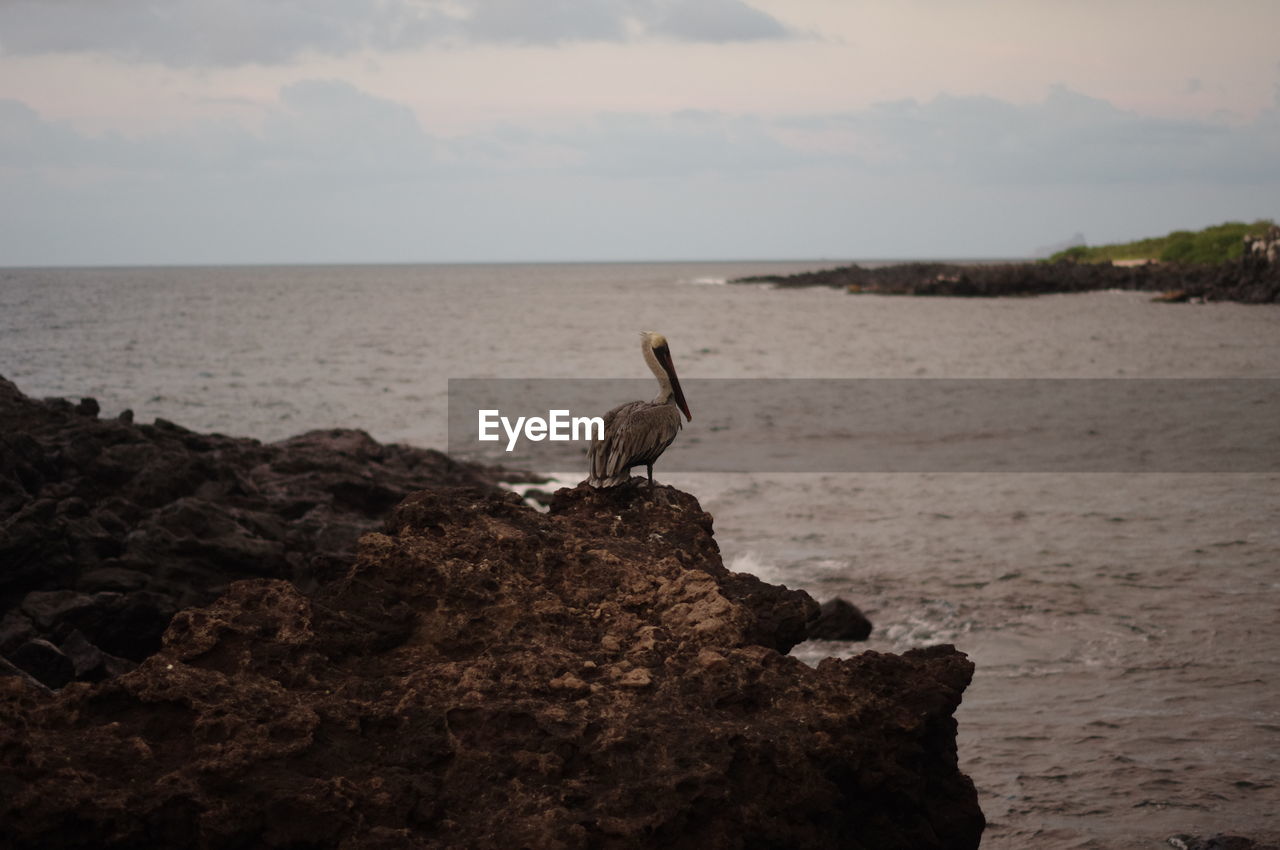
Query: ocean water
point(1126, 627)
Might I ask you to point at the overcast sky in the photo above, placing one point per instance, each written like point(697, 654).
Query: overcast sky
point(234, 131)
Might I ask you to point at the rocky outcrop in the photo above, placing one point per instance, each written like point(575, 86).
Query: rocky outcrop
point(483, 675)
point(1220, 841)
point(107, 527)
point(195, 652)
point(840, 619)
point(1251, 280)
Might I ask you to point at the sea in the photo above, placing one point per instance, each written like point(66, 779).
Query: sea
point(1125, 626)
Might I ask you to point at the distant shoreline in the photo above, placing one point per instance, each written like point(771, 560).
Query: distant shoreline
point(1245, 281)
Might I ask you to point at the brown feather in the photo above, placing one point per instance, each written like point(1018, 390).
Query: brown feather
point(635, 434)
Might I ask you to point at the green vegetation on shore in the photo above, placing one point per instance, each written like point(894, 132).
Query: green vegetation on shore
point(1212, 245)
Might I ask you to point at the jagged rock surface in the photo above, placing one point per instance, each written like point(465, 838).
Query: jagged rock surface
point(487, 676)
point(107, 528)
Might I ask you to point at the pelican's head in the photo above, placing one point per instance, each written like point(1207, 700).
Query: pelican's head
point(654, 340)
point(655, 346)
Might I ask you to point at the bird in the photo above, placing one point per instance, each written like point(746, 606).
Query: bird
point(638, 432)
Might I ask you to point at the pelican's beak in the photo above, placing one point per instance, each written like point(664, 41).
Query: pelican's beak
point(664, 360)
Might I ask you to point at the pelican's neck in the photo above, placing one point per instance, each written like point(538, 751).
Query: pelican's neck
point(665, 392)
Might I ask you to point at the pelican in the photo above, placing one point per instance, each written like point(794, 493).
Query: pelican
point(638, 432)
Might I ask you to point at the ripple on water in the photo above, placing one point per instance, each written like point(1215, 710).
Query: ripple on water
point(1126, 670)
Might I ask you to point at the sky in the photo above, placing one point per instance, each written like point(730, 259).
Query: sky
point(388, 131)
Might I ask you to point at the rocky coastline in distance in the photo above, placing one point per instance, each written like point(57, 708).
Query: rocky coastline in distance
point(1254, 278)
point(326, 642)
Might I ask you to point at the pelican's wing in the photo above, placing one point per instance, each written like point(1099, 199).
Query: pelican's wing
point(602, 457)
point(634, 433)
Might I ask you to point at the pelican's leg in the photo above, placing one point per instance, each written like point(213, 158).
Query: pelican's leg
point(650, 475)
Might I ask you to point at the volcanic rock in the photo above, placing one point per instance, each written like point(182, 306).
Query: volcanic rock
point(108, 528)
point(15, 629)
point(45, 662)
point(487, 676)
point(1220, 841)
point(840, 619)
point(1252, 279)
point(91, 664)
point(473, 673)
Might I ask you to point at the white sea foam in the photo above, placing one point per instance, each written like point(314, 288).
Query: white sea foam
point(555, 480)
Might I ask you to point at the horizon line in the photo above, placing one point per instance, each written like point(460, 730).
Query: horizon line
point(595, 262)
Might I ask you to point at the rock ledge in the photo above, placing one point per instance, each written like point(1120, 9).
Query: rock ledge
point(487, 676)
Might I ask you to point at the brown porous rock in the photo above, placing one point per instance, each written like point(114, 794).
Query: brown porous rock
point(108, 527)
point(486, 676)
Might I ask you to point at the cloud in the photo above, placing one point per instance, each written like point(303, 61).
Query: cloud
point(717, 21)
point(188, 33)
point(1067, 138)
point(197, 32)
point(543, 22)
point(26, 140)
point(555, 21)
point(681, 145)
point(329, 172)
point(334, 128)
point(318, 127)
